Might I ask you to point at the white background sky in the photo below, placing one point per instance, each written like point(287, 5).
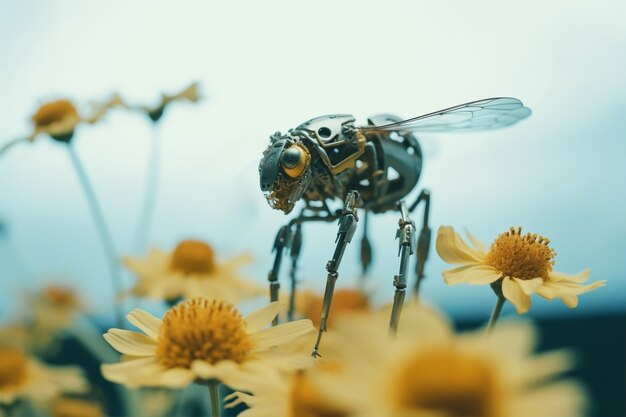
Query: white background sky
point(268, 66)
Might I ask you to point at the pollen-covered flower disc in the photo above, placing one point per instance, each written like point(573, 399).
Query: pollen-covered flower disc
point(520, 263)
point(428, 370)
point(13, 368)
point(191, 270)
point(23, 377)
point(202, 340)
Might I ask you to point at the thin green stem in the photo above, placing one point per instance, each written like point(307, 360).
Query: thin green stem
point(105, 236)
point(214, 393)
point(150, 193)
point(497, 309)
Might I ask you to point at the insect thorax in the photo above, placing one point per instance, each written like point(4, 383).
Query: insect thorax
point(335, 147)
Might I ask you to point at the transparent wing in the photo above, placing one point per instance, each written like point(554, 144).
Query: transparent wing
point(490, 113)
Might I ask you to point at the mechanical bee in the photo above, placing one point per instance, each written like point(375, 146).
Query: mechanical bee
point(372, 168)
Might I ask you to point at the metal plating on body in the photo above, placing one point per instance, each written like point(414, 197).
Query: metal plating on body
point(373, 168)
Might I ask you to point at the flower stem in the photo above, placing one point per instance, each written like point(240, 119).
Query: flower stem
point(496, 313)
point(150, 193)
point(105, 236)
point(215, 397)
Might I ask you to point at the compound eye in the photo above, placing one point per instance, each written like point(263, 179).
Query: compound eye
point(294, 160)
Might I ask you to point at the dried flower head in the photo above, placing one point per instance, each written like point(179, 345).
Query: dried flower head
point(190, 93)
point(60, 118)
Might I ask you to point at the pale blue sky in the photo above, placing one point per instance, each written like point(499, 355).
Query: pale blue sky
point(268, 66)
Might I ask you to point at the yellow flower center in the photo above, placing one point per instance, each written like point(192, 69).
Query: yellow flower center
point(13, 369)
point(306, 401)
point(447, 383)
point(69, 407)
point(59, 296)
point(344, 300)
point(212, 331)
point(54, 112)
point(521, 256)
point(193, 257)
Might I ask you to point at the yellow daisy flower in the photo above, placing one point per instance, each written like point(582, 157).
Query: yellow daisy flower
point(429, 371)
point(520, 264)
point(309, 304)
point(191, 270)
point(75, 407)
point(59, 119)
point(54, 307)
point(294, 395)
point(23, 377)
point(201, 340)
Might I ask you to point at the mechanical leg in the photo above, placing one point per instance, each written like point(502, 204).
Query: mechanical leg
point(423, 241)
point(296, 246)
point(366, 250)
point(406, 238)
point(347, 227)
point(282, 242)
point(287, 240)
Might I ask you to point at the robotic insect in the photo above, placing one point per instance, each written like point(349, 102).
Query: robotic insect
point(371, 167)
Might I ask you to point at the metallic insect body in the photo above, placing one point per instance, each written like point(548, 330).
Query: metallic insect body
point(372, 167)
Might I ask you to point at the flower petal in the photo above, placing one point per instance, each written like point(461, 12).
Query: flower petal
point(566, 291)
point(174, 378)
point(477, 243)
point(130, 343)
point(569, 300)
point(529, 286)
point(163, 288)
point(513, 292)
point(145, 321)
point(225, 371)
point(453, 250)
point(122, 372)
point(262, 317)
point(547, 292)
point(476, 274)
point(580, 277)
point(236, 398)
point(246, 375)
point(564, 287)
point(519, 338)
point(282, 333)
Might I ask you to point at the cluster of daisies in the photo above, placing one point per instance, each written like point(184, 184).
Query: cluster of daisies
point(425, 369)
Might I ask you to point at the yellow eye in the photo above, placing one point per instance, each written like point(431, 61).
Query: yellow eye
point(294, 160)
